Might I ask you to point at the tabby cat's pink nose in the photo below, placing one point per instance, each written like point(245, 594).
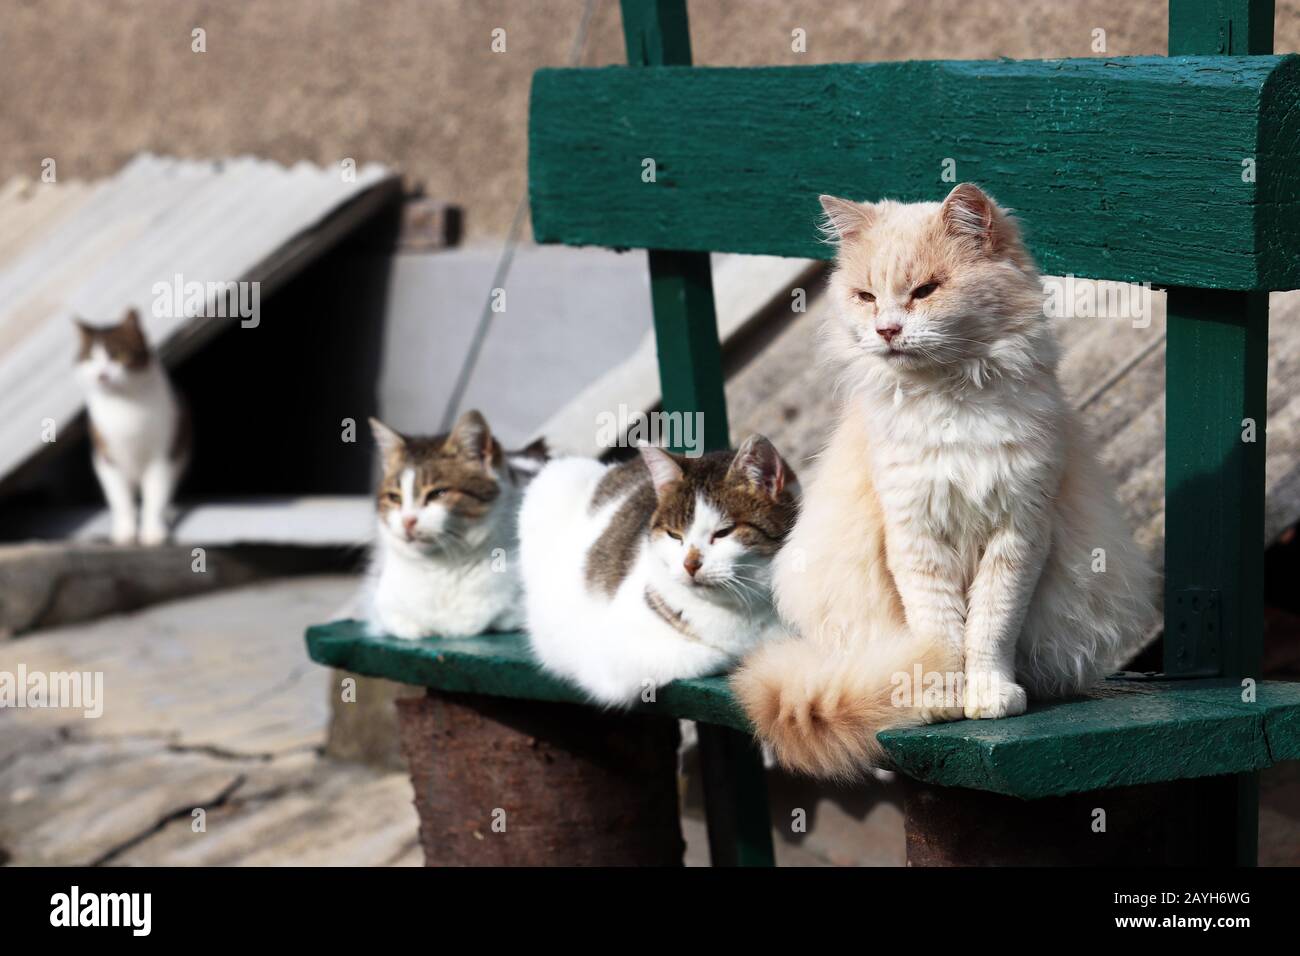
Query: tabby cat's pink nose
point(409, 522)
point(887, 332)
point(692, 562)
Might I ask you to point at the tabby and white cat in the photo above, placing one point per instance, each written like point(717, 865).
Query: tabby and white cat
point(445, 557)
point(959, 520)
point(139, 428)
point(655, 569)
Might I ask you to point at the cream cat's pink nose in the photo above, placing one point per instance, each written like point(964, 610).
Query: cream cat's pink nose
point(887, 332)
point(408, 523)
point(692, 562)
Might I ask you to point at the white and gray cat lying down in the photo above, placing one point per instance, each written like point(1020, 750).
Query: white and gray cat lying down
point(958, 524)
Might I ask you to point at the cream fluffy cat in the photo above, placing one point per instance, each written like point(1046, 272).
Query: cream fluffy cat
point(139, 428)
point(653, 570)
point(959, 518)
point(445, 561)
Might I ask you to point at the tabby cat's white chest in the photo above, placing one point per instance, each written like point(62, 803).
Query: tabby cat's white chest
point(419, 596)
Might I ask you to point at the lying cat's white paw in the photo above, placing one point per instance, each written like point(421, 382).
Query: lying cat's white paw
point(122, 534)
point(940, 715)
point(991, 696)
point(397, 625)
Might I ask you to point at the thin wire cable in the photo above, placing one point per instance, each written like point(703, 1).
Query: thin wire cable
point(507, 257)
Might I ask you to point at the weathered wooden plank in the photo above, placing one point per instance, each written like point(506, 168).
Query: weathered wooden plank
point(1129, 732)
point(1216, 372)
point(1138, 733)
point(1122, 168)
point(499, 665)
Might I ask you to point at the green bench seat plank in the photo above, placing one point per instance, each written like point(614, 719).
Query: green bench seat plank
point(1120, 168)
point(1138, 732)
point(499, 665)
point(1133, 732)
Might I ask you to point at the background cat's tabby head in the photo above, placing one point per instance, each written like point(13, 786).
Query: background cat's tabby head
point(926, 288)
point(108, 355)
point(447, 492)
point(720, 518)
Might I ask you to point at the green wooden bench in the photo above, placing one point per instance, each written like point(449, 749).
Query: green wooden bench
point(1183, 172)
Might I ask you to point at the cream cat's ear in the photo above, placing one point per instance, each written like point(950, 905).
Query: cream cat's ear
point(390, 442)
point(664, 468)
point(759, 463)
point(972, 213)
point(844, 218)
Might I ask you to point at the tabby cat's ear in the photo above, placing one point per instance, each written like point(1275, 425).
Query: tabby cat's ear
point(132, 321)
point(390, 442)
point(85, 328)
point(971, 213)
point(664, 468)
point(759, 463)
point(844, 218)
point(472, 437)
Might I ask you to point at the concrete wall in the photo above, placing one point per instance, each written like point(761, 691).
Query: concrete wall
point(414, 83)
point(569, 315)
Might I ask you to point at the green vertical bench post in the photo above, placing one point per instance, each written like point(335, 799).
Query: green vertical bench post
point(1216, 378)
point(657, 33)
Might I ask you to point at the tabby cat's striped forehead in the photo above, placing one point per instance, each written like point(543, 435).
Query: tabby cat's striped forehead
point(441, 461)
point(763, 521)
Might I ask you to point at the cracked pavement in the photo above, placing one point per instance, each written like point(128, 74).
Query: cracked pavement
point(210, 704)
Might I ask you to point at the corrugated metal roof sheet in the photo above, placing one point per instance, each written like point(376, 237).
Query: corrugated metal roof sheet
point(95, 249)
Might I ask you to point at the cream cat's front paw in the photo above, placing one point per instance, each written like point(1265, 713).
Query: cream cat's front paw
point(989, 695)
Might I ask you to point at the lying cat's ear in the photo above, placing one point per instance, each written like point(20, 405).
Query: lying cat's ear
point(473, 438)
point(390, 442)
point(86, 330)
point(759, 463)
point(971, 213)
point(844, 218)
point(131, 321)
point(529, 459)
point(664, 468)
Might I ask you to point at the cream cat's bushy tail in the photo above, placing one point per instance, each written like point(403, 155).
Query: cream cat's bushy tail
point(820, 708)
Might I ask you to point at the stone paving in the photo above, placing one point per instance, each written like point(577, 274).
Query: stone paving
point(210, 704)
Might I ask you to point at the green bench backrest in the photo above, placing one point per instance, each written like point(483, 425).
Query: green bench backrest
point(1183, 172)
point(1130, 172)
